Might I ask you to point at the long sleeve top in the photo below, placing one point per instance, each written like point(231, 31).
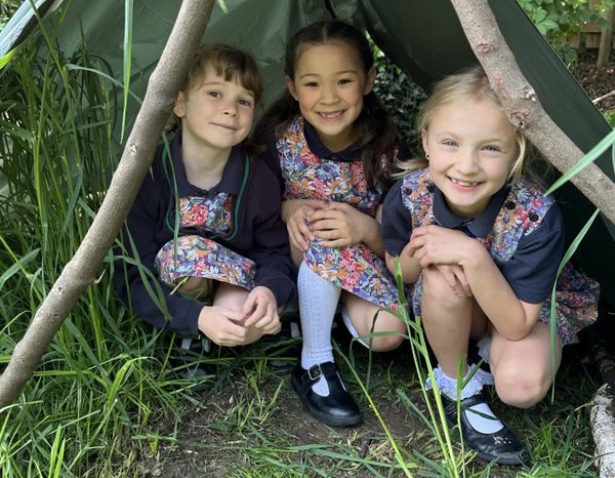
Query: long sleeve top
point(261, 236)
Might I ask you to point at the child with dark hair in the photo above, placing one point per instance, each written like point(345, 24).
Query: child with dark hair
point(333, 147)
point(206, 222)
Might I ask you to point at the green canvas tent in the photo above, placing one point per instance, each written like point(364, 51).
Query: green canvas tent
point(424, 38)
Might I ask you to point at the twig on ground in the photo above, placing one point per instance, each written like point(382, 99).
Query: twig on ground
point(603, 97)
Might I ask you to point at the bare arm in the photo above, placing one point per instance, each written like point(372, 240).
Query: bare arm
point(434, 245)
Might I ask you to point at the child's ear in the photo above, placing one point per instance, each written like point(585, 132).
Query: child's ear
point(180, 105)
point(370, 80)
point(290, 84)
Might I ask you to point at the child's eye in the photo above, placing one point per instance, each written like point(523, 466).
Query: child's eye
point(246, 103)
point(449, 143)
point(214, 94)
point(492, 148)
point(311, 84)
point(345, 81)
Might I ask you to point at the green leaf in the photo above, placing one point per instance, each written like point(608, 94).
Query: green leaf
point(589, 158)
point(127, 59)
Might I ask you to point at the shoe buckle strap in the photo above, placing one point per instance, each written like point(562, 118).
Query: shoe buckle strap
point(314, 372)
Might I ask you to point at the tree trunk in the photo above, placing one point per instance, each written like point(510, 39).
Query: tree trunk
point(523, 109)
point(522, 106)
point(137, 157)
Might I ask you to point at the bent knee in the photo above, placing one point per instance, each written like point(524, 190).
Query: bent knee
point(520, 387)
point(384, 343)
point(438, 290)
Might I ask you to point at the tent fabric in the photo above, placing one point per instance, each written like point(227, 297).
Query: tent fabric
point(423, 38)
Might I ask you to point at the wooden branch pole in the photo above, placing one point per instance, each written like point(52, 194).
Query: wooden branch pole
point(521, 104)
point(606, 39)
point(523, 109)
point(603, 429)
point(602, 412)
point(82, 270)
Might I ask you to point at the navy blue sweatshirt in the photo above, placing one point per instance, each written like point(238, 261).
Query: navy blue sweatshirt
point(261, 236)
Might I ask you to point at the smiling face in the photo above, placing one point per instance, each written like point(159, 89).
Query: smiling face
point(329, 84)
point(472, 148)
point(215, 114)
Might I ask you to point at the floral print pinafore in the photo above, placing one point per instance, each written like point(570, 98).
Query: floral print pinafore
point(198, 254)
point(576, 294)
point(356, 268)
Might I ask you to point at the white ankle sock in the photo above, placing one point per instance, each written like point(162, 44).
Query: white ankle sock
point(318, 300)
point(484, 348)
point(483, 419)
point(480, 415)
point(350, 326)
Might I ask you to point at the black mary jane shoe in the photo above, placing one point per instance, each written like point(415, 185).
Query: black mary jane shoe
point(283, 349)
point(190, 361)
point(501, 447)
point(338, 409)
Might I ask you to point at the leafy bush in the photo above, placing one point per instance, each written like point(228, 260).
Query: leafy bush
point(560, 20)
point(401, 97)
point(7, 8)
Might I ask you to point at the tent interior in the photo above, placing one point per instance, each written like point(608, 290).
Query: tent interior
point(424, 39)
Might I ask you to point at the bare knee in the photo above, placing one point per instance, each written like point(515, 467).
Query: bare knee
point(520, 386)
point(383, 333)
point(196, 287)
point(385, 343)
point(438, 291)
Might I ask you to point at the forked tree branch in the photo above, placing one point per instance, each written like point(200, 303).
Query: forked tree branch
point(82, 269)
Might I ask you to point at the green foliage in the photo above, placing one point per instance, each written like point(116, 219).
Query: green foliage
point(400, 96)
point(610, 117)
point(560, 20)
point(97, 382)
point(7, 8)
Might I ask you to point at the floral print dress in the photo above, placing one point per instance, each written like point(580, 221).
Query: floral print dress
point(576, 295)
point(355, 268)
point(199, 255)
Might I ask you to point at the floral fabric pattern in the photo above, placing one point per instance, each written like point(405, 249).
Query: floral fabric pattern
point(211, 215)
point(356, 268)
point(522, 212)
point(199, 256)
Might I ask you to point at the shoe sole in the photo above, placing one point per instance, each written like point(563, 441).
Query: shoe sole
point(324, 418)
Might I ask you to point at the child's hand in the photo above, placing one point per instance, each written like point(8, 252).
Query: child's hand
point(455, 276)
point(295, 213)
point(261, 311)
point(339, 224)
point(435, 245)
point(223, 326)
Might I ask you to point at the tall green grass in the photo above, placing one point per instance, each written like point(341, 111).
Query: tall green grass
point(99, 382)
point(104, 385)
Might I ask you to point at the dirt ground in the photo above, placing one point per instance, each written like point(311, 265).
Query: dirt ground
point(596, 81)
point(251, 424)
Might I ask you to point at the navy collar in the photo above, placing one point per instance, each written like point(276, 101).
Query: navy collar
point(351, 153)
point(231, 176)
point(478, 226)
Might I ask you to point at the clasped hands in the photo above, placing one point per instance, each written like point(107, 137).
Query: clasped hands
point(443, 250)
point(227, 327)
point(335, 224)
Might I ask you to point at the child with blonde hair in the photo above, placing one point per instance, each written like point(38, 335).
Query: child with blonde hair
point(481, 245)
